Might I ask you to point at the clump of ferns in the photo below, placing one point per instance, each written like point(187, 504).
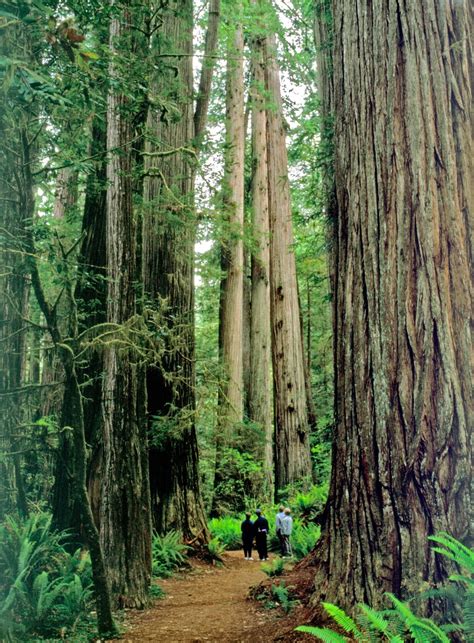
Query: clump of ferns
point(400, 623)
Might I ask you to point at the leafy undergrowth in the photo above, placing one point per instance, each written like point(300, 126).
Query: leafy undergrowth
point(305, 507)
point(45, 591)
point(399, 622)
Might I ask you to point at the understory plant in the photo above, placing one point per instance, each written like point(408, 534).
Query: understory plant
point(274, 568)
point(169, 553)
point(227, 529)
point(45, 591)
point(399, 623)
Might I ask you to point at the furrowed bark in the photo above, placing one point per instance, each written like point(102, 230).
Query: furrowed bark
point(403, 298)
point(168, 267)
point(125, 527)
point(292, 454)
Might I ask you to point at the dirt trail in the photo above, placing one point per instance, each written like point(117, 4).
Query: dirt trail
point(207, 604)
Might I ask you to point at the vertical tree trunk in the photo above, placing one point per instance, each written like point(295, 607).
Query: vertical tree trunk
point(230, 404)
point(402, 450)
point(292, 453)
point(125, 527)
point(14, 293)
point(168, 268)
point(232, 256)
point(260, 400)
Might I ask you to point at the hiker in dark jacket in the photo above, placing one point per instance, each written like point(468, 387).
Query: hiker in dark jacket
point(248, 533)
point(261, 530)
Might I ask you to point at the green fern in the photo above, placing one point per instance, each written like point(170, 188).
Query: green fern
point(275, 568)
point(342, 619)
point(168, 553)
point(216, 549)
point(324, 634)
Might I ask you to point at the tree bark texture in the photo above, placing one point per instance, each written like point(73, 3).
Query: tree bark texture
point(260, 391)
point(14, 295)
point(232, 254)
point(125, 526)
point(402, 454)
point(168, 269)
point(292, 453)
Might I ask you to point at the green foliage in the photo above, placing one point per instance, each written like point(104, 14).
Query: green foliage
point(227, 530)
point(304, 538)
point(44, 590)
point(168, 554)
point(282, 596)
point(309, 504)
point(156, 591)
point(400, 623)
point(275, 568)
point(215, 549)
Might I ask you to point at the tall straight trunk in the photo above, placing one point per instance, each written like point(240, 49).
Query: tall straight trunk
point(14, 294)
point(230, 404)
point(168, 267)
point(260, 398)
point(232, 255)
point(125, 527)
point(292, 452)
point(402, 449)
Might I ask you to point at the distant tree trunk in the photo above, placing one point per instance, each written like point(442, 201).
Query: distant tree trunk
point(66, 192)
point(260, 391)
point(125, 527)
point(168, 269)
point(14, 294)
point(230, 404)
point(232, 256)
point(402, 450)
point(292, 453)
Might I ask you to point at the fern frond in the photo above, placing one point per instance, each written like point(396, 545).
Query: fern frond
point(342, 619)
point(374, 618)
point(324, 634)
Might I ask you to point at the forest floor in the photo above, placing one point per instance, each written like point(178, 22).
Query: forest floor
point(212, 603)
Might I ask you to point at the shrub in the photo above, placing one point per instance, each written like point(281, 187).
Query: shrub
point(275, 568)
point(215, 549)
point(304, 538)
point(281, 595)
point(227, 530)
point(168, 554)
point(44, 590)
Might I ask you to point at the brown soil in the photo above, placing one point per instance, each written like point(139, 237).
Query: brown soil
point(212, 604)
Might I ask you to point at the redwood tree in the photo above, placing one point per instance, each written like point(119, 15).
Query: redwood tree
point(402, 454)
point(125, 527)
point(292, 453)
point(168, 265)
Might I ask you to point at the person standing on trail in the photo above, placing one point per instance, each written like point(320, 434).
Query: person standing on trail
point(261, 531)
point(248, 533)
point(286, 529)
point(279, 517)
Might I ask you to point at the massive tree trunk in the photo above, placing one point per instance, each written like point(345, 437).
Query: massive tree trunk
point(402, 454)
point(292, 453)
point(168, 267)
point(260, 397)
point(125, 527)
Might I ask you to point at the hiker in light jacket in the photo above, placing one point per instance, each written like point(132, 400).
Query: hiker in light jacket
point(279, 517)
point(286, 529)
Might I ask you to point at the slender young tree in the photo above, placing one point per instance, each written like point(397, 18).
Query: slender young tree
point(292, 453)
point(259, 392)
point(402, 454)
point(125, 526)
